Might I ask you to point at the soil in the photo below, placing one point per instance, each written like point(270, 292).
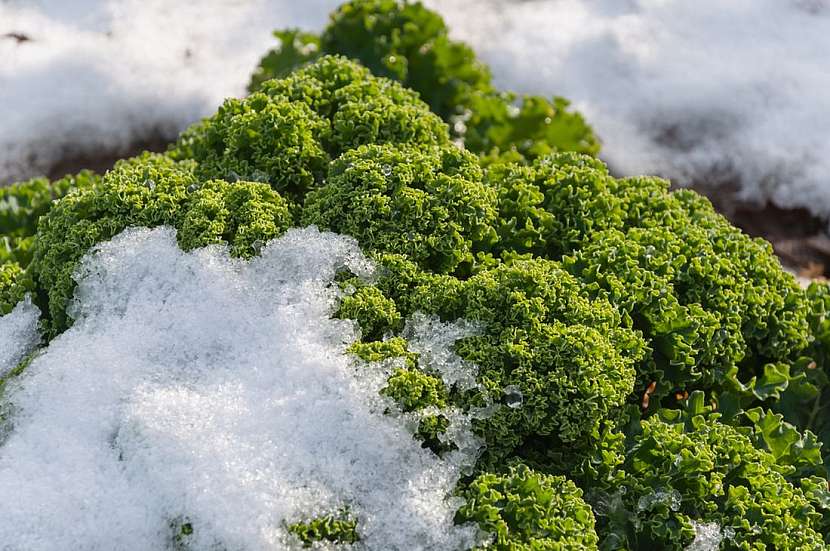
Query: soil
point(799, 238)
point(103, 160)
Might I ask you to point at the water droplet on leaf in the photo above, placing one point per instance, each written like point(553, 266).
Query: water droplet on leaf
point(513, 397)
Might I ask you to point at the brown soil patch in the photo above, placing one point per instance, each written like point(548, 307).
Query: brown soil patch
point(800, 239)
point(103, 160)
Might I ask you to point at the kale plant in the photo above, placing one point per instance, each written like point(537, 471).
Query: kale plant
point(409, 43)
point(634, 368)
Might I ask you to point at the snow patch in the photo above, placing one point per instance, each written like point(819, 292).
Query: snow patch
point(18, 334)
point(701, 92)
point(101, 75)
point(195, 388)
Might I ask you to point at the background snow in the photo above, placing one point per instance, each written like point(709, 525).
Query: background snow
point(102, 74)
point(709, 91)
point(724, 92)
point(198, 388)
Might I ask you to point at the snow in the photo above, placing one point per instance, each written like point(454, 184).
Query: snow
point(202, 389)
point(708, 536)
point(725, 93)
point(18, 335)
point(665, 497)
point(433, 340)
point(104, 74)
point(702, 92)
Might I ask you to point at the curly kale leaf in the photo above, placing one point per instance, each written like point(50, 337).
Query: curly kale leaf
point(428, 204)
point(286, 134)
point(409, 43)
point(525, 510)
point(704, 472)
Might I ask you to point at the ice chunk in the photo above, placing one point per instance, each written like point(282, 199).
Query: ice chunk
point(435, 340)
point(708, 536)
point(661, 496)
point(18, 334)
point(196, 386)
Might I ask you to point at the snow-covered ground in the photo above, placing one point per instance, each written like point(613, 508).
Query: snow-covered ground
point(721, 91)
point(707, 90)
point(101, 74)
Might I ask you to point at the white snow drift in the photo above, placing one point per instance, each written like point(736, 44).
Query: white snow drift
point(197, 388)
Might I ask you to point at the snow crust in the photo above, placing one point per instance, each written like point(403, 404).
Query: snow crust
point(706, 91)
point(18, 334)
point(195, 388)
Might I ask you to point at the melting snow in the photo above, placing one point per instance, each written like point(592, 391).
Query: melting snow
point(513, 396)
point(661, 496)
point(708, 536)
point(434, 340)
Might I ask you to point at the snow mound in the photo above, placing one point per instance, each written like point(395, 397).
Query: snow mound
point(202, 389)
